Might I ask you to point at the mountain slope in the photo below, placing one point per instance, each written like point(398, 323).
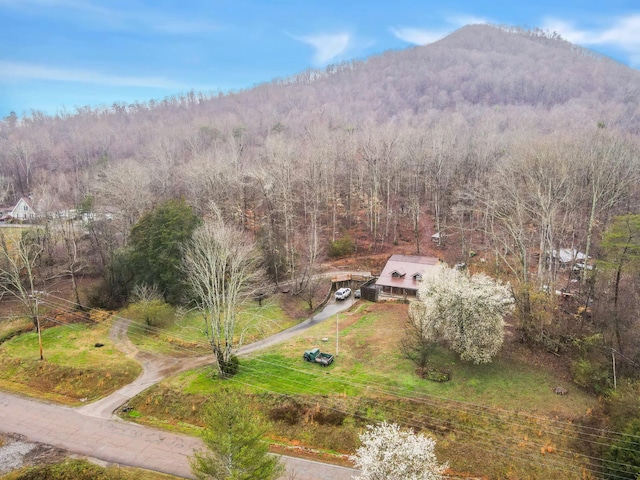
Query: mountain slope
point(479, 77)
point(477, 65)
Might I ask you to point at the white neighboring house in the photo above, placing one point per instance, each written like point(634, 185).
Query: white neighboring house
point(568, 255)
point(24, 210)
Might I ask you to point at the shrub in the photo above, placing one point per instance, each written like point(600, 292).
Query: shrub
point(71, 470)
point(230, 367)
point(624, 455)
point(155, 313)
point(342, 247)
point(593, 376)
point(439, 376)
point(289, 412)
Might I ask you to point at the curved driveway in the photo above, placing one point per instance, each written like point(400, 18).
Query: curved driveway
point(93, 431)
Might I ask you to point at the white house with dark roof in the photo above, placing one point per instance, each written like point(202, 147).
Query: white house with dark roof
point(23, 210)
point(403, 273)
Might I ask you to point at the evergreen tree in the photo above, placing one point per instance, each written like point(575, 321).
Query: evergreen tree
point(624, 455)
point(156, 247)
point(233, 436)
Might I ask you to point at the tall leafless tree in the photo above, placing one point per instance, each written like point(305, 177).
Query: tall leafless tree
point(18, 276)
point(223, 272)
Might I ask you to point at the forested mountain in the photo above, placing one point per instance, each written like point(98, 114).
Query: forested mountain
point(516, 146)
point(511, 142)
point(504, 80)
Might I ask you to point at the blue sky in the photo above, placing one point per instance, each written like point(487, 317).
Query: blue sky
point(57, 55)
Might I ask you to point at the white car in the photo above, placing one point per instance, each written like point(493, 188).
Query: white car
point(343, 293)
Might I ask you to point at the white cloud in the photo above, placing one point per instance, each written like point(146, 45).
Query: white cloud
point(26, 71)
point(328, 47)
point(422, 36)
point(418, 36)
point(566, 30)
point(462, 20)
point(622, 33)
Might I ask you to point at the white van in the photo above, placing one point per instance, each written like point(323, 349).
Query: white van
point(343, 293)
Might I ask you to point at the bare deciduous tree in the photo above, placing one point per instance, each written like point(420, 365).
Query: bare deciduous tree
point(222, 270)
point(608, 173)
point(124, 189)
point(18, 276)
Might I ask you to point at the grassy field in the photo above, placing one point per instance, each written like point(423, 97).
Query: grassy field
point(83, 470)
point(13, 326)
point(501, 420)
point(74, 368)
point(187, 334)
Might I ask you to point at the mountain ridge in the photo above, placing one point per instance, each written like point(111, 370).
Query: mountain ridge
point(479, 77)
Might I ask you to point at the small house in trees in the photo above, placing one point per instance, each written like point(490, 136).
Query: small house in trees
point(23, 210)
point(403, 273)
point(567, 256)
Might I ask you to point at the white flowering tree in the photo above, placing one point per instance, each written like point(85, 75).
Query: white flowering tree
point(466, 311)
point(390, 453)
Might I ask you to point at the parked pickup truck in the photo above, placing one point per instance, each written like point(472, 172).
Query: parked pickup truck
point(315, 355)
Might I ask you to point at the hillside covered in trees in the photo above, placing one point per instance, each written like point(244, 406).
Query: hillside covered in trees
point(512, 144)
point(515, 146)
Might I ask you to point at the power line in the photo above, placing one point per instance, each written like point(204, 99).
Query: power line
point(470, 408)
point(407, 414)
point(384, 388)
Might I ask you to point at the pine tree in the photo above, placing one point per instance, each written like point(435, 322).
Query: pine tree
point(233, 436)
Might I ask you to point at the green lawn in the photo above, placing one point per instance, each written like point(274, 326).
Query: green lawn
point(187, 335)
point(12, 326)
point(501, 419)
point(74, 368)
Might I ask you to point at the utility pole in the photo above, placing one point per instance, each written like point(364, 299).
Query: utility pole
point(613, 359)
point(36, 312)
point(39, 329)
point(337, 335)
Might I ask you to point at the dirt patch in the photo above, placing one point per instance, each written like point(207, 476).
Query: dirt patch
point(17, 452)
point(515, 350)
point(296, 306)
point(307, 453)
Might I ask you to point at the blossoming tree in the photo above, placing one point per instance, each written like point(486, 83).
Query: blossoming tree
point(390, 453)
point(467, 311)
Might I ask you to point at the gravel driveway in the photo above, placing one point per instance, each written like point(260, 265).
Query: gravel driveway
point(92, 431)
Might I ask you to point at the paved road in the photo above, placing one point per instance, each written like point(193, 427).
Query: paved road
point(331, 309)
point(92, 430)
point(124, 443)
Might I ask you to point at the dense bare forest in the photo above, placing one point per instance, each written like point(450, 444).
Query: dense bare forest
point(512, 144)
